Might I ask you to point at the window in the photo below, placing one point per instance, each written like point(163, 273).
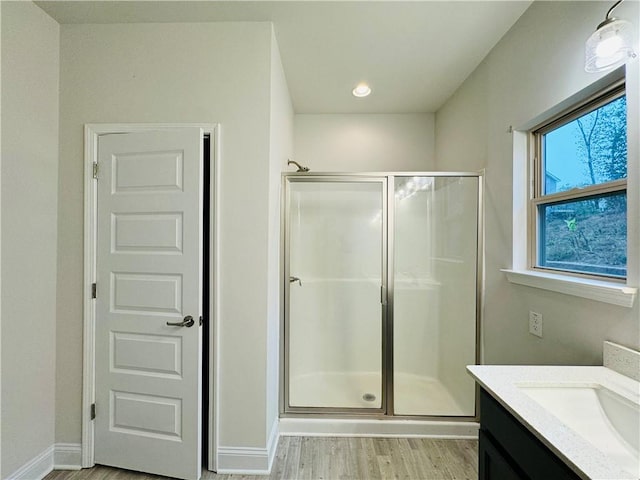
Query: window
point(579, 203)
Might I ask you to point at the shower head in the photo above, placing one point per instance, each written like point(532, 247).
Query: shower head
point(300, 167)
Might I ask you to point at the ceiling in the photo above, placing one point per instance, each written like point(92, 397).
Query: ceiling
point(413, 54)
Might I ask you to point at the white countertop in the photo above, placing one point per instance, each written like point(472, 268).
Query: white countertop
point(583, 458)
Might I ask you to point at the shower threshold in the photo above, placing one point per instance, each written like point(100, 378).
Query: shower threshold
point(364, 427)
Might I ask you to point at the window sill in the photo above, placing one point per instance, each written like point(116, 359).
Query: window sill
point(608, 292)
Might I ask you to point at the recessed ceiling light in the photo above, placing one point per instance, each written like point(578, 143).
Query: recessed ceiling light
point(361, 90)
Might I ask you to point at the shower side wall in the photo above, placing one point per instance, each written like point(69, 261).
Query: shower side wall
point(415, 302)
point(455, 261)
point(435, 285)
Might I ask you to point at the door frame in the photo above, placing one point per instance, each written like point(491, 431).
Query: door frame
point(92, 132)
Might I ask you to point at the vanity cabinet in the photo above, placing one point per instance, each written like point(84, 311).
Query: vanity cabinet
point(509, 451)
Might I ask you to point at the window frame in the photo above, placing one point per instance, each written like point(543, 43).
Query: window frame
point(537, 198)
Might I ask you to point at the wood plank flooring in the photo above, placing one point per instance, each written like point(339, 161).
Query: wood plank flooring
point(329, 458)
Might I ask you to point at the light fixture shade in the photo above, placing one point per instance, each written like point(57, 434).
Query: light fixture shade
point(609, 46)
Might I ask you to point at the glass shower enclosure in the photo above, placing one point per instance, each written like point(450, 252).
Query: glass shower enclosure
point(381, 293)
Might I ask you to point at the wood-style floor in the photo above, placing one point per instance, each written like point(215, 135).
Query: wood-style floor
point(306, 458)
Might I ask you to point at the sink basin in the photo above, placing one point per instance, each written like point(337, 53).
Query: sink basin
point(607, 420)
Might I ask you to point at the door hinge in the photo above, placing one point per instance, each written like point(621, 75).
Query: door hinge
point(95, 170)
point(93, 411)
point(94, 290)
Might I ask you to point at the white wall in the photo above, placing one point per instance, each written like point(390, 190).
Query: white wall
point(536, 65)
point(198, 72)
point(30, 66)
point(365, 143)
point(281, 148)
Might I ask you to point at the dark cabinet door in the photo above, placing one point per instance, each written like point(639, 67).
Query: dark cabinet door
point(509, 451)
point(494, 464)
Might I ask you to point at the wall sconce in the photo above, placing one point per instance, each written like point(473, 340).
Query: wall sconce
point(610, 45)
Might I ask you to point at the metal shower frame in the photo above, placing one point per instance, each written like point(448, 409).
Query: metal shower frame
point(387, 180)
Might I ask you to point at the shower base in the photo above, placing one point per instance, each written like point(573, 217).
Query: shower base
point(414, 394)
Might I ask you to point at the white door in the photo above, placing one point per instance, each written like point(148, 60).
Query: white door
point(149, 265)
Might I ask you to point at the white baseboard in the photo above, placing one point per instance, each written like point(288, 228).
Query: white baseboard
point(249, 460)
point(67, 456)
point(243, 461)
point(36, 468)
point(60, 456)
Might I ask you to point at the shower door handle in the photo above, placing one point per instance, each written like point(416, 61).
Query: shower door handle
point(383, 295)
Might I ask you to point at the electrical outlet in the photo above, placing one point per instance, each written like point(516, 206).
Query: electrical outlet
point(535, 324)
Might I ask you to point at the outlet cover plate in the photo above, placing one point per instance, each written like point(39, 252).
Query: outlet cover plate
point(535, 324)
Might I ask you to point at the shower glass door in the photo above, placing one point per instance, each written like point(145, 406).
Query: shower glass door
point(435, 300)
point(335, 268)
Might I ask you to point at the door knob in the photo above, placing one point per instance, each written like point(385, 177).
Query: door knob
point(187, 322)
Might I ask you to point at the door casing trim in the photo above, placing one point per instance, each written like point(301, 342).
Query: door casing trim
point(92, 132)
